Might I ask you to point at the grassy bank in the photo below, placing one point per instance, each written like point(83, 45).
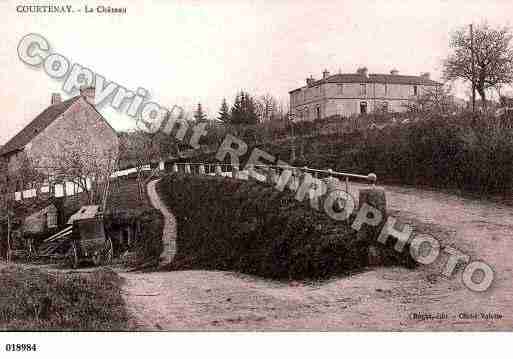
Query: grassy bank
point(228, 224)
point(35, 300)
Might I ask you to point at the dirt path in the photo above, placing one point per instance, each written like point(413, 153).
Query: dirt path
point(169, 232)
point(377, 299)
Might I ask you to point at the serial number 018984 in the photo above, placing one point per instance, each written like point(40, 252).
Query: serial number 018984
point(21, 347)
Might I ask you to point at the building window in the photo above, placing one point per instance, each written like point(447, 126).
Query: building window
point(386, 90)
point(384, 106)
point(318, 113)
point(415, 90)
point(340, 109)
point(363, 107)
point(363, 90)
point(341, 89)
point(306, 113)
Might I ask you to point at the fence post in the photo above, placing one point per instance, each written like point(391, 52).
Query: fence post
point(271, 176)
point(332, 184)
point(235, 171)
point(201, 169)
point(367, 235)
point(187, 168)
point(218, 170)
point(251, 171)
point(174, 168)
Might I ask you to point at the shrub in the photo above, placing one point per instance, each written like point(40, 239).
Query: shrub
point(148, 224)
point(471, 154)
point(149, 246)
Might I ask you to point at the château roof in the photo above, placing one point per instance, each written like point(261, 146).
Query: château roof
point(374, 78)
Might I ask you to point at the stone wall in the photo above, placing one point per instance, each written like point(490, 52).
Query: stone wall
point(80, 128)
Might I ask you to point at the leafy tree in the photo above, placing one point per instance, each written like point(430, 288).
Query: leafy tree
point(199, 115)
point(493, 58)
point(224, 113)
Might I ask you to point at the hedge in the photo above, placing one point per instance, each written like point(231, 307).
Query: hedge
point(246, 226)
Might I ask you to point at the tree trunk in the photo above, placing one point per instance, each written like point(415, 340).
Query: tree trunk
point(482, 94)
point(8, 236)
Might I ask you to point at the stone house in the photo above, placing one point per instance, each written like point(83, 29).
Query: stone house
point(347, 94)
point(74, 124)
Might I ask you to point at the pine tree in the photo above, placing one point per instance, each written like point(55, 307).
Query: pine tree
point(244, 110)
point(236, 112)
point(250, 110)
point(224, 113)
point(199, 115)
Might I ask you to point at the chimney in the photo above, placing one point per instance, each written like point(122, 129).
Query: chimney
point(394, 72)
point(363, 71)
point(88, 93)
point(56, 98)
point(325, 74)
point(425, 75)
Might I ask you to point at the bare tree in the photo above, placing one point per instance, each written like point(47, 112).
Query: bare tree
point(140, 149)
point(486, 62)
point(6, 219)
point(88, 170)
point(434, 100)
point(267, 107)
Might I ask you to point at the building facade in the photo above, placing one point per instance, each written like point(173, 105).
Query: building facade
point(65, 126)
point(347, 94)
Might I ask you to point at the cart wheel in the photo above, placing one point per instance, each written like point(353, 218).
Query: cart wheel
point(109, 251)
point(74, 256)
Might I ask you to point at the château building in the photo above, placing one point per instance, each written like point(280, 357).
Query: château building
point(347, 94)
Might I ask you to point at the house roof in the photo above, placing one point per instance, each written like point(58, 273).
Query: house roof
point(40, 123)
point(86, 212)
point(375, 78)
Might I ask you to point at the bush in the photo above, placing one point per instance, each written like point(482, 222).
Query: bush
point(471, 154)
point(227, 224)
point(148, 224)
point(35, 300)
point(149, 246)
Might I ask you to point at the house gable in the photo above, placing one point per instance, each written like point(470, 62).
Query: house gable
point(82, 127)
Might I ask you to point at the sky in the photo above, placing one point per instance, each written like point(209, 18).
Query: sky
point(185, 52)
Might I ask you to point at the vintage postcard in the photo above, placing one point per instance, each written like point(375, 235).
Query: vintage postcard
point(236, 166)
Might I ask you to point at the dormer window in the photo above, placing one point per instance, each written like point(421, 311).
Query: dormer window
point(415, 90)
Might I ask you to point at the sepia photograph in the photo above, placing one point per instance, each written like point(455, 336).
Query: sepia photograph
point(296, 168)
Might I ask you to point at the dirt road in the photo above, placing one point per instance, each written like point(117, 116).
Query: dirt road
point(377, 299)
point(169, 232)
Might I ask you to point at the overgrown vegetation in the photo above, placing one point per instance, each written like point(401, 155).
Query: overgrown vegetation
point(35, 300)
point(472, 155)
point(227, 224)
point(125, 208)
